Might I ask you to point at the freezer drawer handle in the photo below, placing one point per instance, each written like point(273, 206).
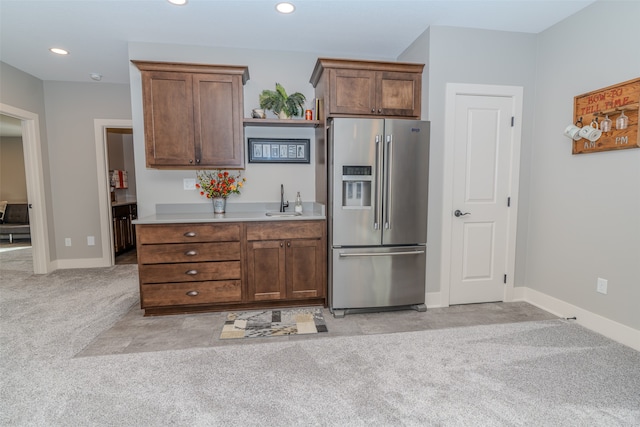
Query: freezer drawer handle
point(380, 253)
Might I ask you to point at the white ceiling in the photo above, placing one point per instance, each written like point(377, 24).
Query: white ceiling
point(96, 32)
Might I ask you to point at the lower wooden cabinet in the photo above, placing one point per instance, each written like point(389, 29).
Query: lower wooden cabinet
point(222, 266)
point(285, 260)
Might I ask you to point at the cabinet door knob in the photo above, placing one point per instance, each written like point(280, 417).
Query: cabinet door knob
point(190, 160)
point(197, 160)
point(190, 234)
point(191, 253)
point(379, 111)
point(281, 244)
point(193, 293)
point(288, 244)
point(373, 110)
point(191, 272)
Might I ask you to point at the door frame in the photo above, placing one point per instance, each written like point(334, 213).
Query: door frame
point(452, 91)
point(104, 197)
point(32, 150)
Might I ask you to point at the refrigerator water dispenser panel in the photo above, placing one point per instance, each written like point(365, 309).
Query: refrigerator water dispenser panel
point(356, 187)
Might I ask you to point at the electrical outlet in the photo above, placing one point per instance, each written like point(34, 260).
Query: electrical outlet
point(601, 285)
point(189, 183)
point(67, 241)
point(91, 240)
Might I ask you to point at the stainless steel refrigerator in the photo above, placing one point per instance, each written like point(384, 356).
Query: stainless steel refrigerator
point(378, 189)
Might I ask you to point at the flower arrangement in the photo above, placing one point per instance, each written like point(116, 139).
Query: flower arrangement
point(218, 183)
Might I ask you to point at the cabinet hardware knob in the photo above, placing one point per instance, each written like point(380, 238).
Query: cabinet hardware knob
point(288, 244)
point(193, 293)
point(190, 160)
point(373, 110)
point(197, 160)
point(379, 111)
point(281, 244)
point(191, 253)
point(191, 272)
point(190, 234)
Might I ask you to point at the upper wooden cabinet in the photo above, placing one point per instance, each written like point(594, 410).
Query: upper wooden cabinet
point(193, 115)
point(368, 88)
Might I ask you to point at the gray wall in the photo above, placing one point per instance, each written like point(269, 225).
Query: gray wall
point(21, 90)
point(71, 110)
point(13, 181)
point(462, 55)
point(583, 219)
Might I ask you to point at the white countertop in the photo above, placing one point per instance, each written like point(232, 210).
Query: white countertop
point(235, 212)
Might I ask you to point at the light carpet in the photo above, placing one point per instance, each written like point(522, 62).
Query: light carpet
point(269, 323)
point(543, 373)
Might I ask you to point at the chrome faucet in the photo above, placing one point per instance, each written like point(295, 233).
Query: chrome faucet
point(283, 205)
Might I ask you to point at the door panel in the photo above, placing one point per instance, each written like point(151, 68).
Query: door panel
point(355, 199)
point(378, 277)
point(480, 191)
point(266, 270)
point(169, 124)
point(406, 186)
point(217, 102)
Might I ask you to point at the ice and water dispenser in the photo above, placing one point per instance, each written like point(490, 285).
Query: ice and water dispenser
point(356, 187)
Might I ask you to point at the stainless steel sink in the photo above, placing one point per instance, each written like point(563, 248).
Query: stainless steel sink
point(283, 214)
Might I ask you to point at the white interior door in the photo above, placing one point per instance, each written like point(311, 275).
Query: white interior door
point(482, 165)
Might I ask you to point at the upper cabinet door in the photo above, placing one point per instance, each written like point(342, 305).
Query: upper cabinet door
point(398, 94)
point(352, 91)
point(168, 118)
point(218, 120)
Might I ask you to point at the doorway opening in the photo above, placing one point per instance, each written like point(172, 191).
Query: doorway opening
point(122, 185)
point(116, 189)
point(35, 188)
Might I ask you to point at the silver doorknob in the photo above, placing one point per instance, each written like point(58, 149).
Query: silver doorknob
point(460, 213)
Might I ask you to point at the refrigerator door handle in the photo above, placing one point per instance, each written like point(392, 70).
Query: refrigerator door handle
point(387, 192)
point(354, 254)
point(376, 186)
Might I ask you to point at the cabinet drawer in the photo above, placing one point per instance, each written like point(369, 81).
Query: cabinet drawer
point(183, 233)
point(188, 252)
point(189, 272)
point(285, 230)
point(169, 294)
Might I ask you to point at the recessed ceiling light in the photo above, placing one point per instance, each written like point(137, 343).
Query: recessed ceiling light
point(59, 51)
point(178, 2)
point(285, 7)
point(96, 76)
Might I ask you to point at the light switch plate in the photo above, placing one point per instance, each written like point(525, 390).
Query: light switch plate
point(189, 183)
point(601, 285)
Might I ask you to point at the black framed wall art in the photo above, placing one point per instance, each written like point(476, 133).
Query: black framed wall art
point(278, 150)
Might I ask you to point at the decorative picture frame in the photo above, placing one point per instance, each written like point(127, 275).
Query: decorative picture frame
point(278, 150)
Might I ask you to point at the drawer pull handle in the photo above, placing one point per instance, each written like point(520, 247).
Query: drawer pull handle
point(191, 253)
point(193, 293)
point(191, 272)
point(190, 234)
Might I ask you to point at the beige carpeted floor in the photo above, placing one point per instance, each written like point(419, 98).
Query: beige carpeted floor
point(543, 373)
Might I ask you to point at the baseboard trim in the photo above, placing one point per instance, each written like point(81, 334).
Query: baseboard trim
point(607, 327)
point(434, 300)
point(80, 263)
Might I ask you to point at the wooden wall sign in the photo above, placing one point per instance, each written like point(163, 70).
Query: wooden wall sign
point(611, 102)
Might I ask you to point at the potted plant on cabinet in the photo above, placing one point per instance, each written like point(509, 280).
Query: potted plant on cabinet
point(284, 106)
